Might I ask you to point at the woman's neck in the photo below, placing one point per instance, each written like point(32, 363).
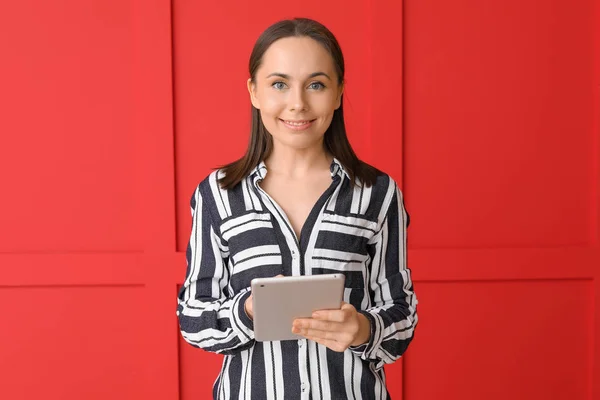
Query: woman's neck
point(297, 164)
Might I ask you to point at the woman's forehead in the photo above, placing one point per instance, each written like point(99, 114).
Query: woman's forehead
point(297, 57)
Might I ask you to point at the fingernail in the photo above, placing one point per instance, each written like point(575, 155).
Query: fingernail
point(316, 315)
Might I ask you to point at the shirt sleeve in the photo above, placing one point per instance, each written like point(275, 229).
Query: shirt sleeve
point(393, 317)
point(210, 317)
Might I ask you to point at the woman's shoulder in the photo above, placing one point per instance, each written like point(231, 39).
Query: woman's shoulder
point(385, 192)
point(210, 193)
point(382, 180)
point(210, 183)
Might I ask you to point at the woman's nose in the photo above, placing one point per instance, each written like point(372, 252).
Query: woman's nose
point(297, 100)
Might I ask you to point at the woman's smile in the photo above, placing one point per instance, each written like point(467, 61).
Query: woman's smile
point(297, 125)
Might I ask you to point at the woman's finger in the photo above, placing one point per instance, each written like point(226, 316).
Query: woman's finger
point(325, 335)
point(330, 315)
point(309, 323)
point(341, 315)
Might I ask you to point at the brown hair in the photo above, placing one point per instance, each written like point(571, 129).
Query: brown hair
point(335, 140)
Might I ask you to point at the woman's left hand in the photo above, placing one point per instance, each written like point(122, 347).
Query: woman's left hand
point(335, 329)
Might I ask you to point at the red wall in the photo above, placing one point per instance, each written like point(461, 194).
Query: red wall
point(486, 113)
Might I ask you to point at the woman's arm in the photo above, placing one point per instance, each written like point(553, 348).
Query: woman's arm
point(210, 317)
point(393, 317)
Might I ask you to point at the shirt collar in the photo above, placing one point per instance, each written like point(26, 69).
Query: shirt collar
point(336, 168)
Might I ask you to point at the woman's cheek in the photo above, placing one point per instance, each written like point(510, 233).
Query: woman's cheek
point(274, 102)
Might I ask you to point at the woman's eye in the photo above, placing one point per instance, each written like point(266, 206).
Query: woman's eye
point(278, 85)
point(316, 86)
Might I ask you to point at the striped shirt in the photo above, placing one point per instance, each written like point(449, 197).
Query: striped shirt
point(242, 233)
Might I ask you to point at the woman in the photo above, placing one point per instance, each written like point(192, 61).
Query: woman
point(299, 202)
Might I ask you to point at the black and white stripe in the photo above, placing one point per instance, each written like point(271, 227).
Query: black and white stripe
point(242, 233)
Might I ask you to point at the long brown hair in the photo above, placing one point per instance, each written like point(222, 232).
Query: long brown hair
point(335, 140)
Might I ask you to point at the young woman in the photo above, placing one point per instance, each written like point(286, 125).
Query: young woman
point(299, 203)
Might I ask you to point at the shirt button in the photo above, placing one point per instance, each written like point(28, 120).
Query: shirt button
point(300, 343)
point(303, 386)
point(294, 255)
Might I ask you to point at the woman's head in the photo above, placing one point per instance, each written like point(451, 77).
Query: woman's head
point(296, 85)
point(296, 89)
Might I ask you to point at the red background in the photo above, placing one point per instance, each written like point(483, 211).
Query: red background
point(486, 113)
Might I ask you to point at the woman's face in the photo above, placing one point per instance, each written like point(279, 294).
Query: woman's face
point(296, 91)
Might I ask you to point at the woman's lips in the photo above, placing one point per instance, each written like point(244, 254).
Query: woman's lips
point(297, 125)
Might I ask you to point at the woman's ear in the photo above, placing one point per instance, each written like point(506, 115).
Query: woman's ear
point(339, 97)
point(252, 91)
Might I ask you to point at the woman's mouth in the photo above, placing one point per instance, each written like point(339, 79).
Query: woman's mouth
point(297, 125)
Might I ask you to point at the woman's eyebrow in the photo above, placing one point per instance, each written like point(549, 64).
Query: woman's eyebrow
point(314, 74)
point(286, 76)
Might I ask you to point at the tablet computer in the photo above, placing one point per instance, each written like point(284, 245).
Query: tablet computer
point(276, 302)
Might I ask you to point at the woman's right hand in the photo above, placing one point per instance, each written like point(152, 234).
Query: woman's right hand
point(248, 307)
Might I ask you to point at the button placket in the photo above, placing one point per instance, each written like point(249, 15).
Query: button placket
point(291, 239)
point(304, 375)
